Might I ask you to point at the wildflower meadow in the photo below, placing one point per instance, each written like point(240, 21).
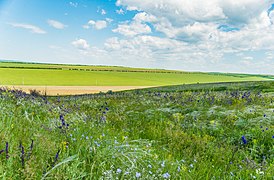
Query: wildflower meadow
point(202, 131)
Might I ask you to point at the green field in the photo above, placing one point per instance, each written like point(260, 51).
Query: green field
point(80, 67)
point(199, 131)
point(65, 75)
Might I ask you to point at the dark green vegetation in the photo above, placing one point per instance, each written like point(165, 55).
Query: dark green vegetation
point(205, 131)
point(13, 73)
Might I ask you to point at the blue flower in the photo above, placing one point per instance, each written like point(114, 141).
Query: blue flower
point(118, 171)
point(166, 176)
point(244, 140)
point(138, 175)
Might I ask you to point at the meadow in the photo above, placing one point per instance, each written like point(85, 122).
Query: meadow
point(201, 131)
point(73, 75)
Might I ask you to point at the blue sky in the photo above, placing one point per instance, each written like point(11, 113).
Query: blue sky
point(192, 35)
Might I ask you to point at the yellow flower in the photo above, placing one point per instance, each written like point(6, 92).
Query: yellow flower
point(183, 167)
point(64, 144)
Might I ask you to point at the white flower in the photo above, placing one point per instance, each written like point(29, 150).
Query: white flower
point(166, 176)
point(119, 171)
point(138, 174)
point(258, 171)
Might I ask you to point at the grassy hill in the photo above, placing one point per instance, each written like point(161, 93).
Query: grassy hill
point(201, 131)
point(13, 73)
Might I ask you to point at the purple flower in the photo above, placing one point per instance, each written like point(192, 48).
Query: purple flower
point(7, 150)
point(63, 120)
point(244, 140)
point(22, 155)
point(31, 145)
point(56, 157)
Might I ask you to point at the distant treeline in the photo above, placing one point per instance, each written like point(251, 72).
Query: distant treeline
point(90, 69)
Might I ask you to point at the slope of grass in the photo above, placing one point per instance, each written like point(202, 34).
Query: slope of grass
point(182, 132)
point(11, 76)
point(22, 65)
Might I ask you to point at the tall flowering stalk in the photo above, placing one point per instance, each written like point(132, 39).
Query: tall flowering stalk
point(23, 156)
point(7, 150)
point(56, 157)
point(30, 149)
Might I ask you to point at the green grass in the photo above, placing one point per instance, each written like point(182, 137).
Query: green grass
point(54, 77)
point(175, 132)
point(22, 65)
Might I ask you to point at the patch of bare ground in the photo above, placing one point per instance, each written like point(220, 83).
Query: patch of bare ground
point(73, 90)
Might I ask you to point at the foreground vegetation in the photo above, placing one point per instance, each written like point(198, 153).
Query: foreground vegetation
point(214, 131)
point(76, 75)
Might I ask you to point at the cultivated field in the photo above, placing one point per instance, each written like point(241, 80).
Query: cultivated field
point(205, 131)
point(54, 77)
point(72, 90)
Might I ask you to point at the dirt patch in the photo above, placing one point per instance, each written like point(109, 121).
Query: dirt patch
point(74, 90)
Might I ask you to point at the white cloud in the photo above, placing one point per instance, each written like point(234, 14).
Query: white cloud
point(120, 11)
point(81, 44)
point(179, 12)
point(248, 58)
point(197, 22)
point(144, 17)
point(56, 24)
point(271, 16)
point(190, 35)
point(109, 20)
point(137, 26)
point(154, 49)
point(103, 12)
point(269, 55)
point(73, 4)
point(32, 28)
point(132, 29)
point(100, 24)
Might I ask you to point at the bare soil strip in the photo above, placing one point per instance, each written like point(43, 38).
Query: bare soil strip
point(73, 90)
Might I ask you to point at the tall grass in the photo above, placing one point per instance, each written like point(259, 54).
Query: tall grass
point(170, 133)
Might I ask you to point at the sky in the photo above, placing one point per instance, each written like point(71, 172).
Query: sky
point(190, 35)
